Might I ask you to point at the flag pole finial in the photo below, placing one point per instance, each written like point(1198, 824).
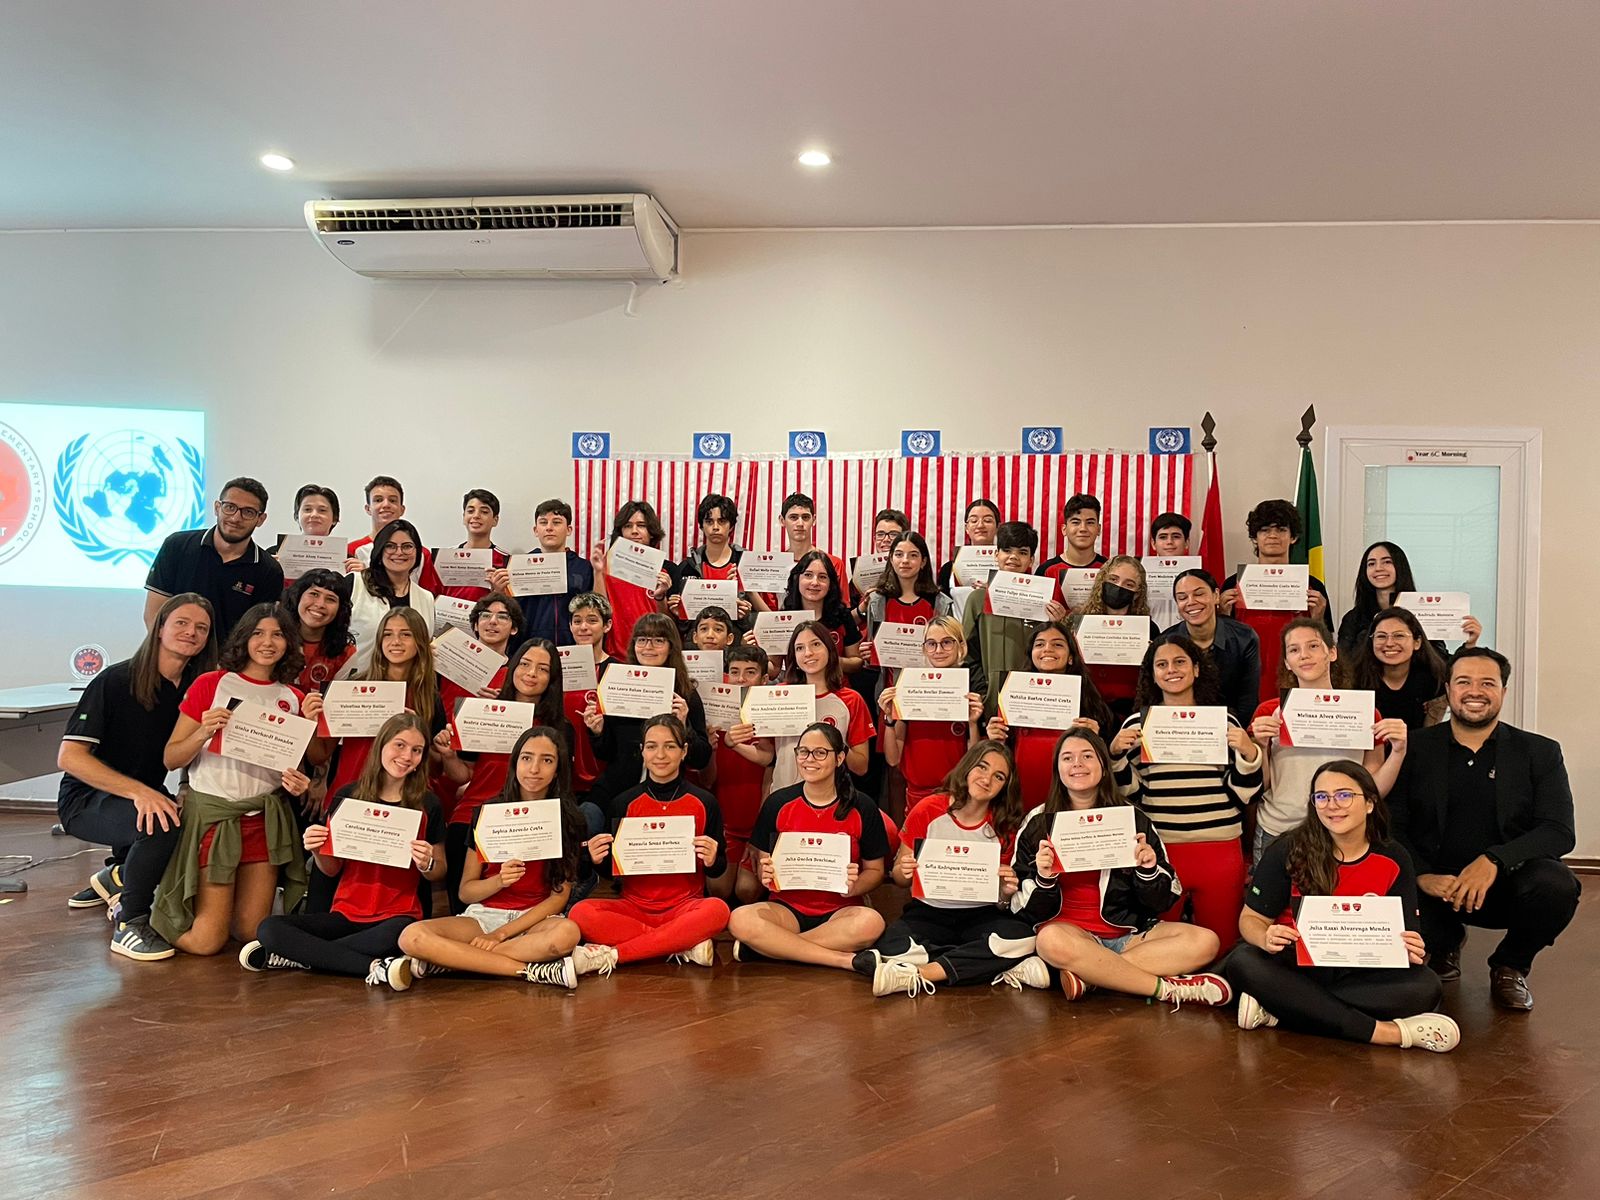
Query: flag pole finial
point(1307, 420)
point(1209, 425)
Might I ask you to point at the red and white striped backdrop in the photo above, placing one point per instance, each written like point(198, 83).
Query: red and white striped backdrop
point(850, 488)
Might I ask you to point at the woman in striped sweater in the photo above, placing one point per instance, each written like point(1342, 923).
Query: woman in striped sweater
point(1198, 808)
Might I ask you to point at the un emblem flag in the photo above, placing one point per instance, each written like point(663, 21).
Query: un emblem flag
point(1041, 439)
point(808, 443)
point(919, 443)
point(1169, 439)
point(713, 445)
point(591, 445)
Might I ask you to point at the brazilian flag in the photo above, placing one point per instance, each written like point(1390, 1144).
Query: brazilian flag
point(1308, 549)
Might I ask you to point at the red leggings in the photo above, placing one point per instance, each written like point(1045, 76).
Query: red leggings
point(1212, 874)
point(639, 933)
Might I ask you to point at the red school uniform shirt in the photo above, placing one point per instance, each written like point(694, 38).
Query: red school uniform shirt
point(533, 888)
point(370, 892)
point(740, 789)
point(788, 811)
point(662, 893)
point(1035, 754)
point(1269, 625)
point(322, 666)
point(930, 752)
point(585, 767)
point(846, 711)
point(932, 818)
point(214, 772)
point(629, 602)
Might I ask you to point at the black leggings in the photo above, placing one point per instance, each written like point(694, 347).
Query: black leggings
point(457, 841)
point(113, 821)
point(331, 942)
point(973, 945)
point(1341, 1002)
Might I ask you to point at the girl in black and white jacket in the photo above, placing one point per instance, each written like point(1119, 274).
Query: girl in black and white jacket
point(1103, 928)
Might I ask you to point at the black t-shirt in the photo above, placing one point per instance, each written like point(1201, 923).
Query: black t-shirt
point(123, 734)
point(188, 562)
point(1472, 822)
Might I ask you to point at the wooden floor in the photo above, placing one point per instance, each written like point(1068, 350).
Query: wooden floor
point(192, 1078)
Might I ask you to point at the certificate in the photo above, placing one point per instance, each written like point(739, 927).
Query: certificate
point(1013, 594)
point(701, 594)
point(1077, 583)
point(358, 708)
point(1281, 587)
point(1033, 701)
point(577, 668)
point(868, 570)
point(1351, 931)
point(452, 612)
point(705, 666)
point(722, 702)
point(1170, 734)
point(366, 831)
point(635, 563)
point(1094, 839)
point(490, 726)
point(267, 737)
point(765, 572)
point(528, 832)
point(653, 846)
point(465, 661)
point(1161, 573)
point(1113, 641)
point(459, 567)
point(643, 692)
point(963, 872)
point(811, 862)
point(1440, 613)
point(972, 565)
point(898, 645)
point(299, 553)
point(1331, 720)
point(774, 629)
point(782, 711)
point(932, 694)
point(538, 574)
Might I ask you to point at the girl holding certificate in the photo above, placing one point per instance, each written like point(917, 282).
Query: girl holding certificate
point(372, 902)
point(1103, 928)
point(658, 916)
point(1385, 572)
point(927, 751)
point(386, 584)
point(938, 939)
point(823, 928)
point(1051, 651)
point(238, 825)
point(1402, 668)
point(532, 676)
point(1341, 848)
point(1197, 808)
point(907, 593)
point(1311, 661)
point(402, 653)
point(636, 522)
point(814, 658)
point(512, 926)
point(319, 601)
point(1119, 590)
point(814, 587)
point(618, 740)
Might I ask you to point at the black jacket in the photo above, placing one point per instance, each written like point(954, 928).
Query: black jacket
point(1130, 898)
point(1236, 650)
point(1533, 800)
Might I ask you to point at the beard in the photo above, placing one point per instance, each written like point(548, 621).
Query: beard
point(231, 539)
point(1483, 722)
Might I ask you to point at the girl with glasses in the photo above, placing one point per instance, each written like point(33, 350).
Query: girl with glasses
point(1341, 848)
point(925, 752)
point(1403, 669)
point(386, 583)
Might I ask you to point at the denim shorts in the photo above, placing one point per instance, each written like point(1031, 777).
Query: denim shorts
point(1115, 944)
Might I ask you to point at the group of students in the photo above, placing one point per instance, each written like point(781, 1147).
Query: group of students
point(1465, 821)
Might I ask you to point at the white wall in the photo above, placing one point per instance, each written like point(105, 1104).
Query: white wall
point(309, 372)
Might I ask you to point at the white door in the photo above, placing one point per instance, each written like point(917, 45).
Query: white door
point(1464, 505)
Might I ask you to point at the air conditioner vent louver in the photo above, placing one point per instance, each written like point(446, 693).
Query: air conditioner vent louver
point(510, 216)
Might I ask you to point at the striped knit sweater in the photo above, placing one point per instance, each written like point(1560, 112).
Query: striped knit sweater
point(1190, 802)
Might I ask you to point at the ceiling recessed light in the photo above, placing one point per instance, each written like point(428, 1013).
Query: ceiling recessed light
point(277, 162)
point(815, 158)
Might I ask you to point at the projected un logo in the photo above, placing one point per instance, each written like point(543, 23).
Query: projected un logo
point(120, 494)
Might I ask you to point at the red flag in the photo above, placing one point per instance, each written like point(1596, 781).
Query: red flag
point(1212, 555)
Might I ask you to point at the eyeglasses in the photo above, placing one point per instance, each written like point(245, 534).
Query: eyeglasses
point(400, 548)
point(230, 509)
point(807, 753)
point(1337, 799)
point(650, 641)
point(940, 644)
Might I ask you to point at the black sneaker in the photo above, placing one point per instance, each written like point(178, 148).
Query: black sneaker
point(254, 957)
point(136, 940)
point(88, 898)
point(105, 885)
point(866, 962)
point(745, 954)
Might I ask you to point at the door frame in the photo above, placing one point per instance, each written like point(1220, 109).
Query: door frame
point(1527, 445)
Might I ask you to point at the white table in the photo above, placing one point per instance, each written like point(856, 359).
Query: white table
point(32, 720)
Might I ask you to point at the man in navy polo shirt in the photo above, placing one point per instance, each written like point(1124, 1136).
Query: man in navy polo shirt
point(222, 563)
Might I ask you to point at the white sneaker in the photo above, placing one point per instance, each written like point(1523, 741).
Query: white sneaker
point(395, 972)
point(560, 973)
point(703, 954)
point(894, 975)
point(1196, 989)
point(421, 968)
point(1030, 972)
point(1252, 1015)
point(1429, 1031)
point(591, 956)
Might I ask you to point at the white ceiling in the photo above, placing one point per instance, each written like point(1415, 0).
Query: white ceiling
point(152, 112)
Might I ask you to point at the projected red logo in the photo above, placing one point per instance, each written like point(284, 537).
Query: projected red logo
point(22, 493)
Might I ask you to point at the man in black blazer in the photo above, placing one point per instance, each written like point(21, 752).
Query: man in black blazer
point(1486, 811)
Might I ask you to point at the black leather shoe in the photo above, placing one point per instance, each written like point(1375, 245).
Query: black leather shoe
point(1447, 965)
point(1508, 988)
